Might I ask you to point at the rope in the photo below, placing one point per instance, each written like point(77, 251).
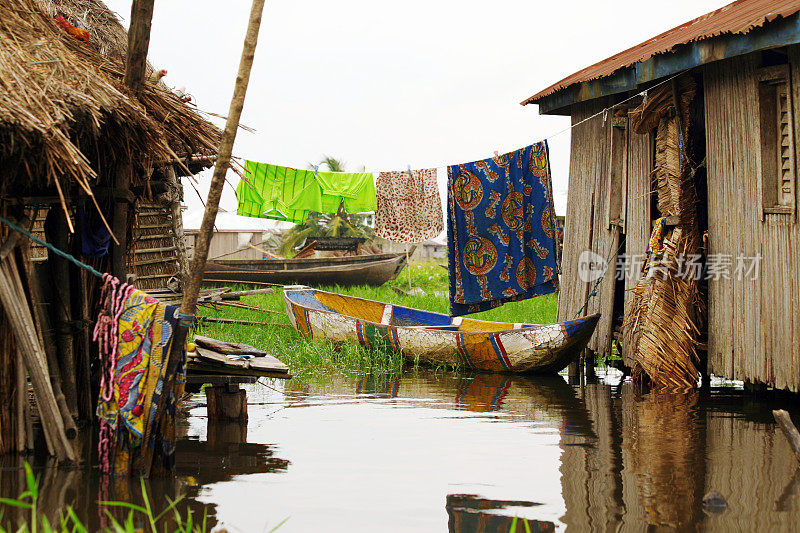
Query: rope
point(185, 320)
point(50, 247)
point(593, 292)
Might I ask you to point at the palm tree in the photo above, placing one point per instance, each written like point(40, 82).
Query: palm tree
point(339, 224)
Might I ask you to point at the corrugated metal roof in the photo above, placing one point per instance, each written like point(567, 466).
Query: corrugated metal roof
point(736, 18)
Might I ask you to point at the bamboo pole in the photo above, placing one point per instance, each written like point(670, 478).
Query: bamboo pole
point(189, 304)
point(19, 316)
point(46, 340)
point(237, 321)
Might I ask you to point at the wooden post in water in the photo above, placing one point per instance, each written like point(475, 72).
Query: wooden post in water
point(192, 289)
point(785, 422)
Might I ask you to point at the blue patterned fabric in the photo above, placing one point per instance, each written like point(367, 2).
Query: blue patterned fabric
point(501, 230)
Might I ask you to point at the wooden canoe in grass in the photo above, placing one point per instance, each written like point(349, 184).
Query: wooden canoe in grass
point(438, 338)
point(374, 269)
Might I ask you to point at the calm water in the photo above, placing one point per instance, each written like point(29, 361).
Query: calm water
point(441, 452)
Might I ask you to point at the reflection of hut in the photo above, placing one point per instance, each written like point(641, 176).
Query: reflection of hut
point(79, 149)
point(648, 461)
point(664, 442)
point(744, 62)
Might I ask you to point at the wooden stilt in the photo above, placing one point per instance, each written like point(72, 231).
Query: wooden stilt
point(590, 360)
point(21, 401)
point(82, 355)
point(226, 402)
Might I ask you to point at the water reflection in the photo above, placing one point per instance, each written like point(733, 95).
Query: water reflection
point(224, 455)
point(341, 454)
point(468, 513)
point(655, 456)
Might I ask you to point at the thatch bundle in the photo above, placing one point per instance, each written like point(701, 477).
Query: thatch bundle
point(666, 308)
point(64, 111)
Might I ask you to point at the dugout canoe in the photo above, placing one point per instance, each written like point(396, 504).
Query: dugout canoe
point(374, 269)
point(438, 338)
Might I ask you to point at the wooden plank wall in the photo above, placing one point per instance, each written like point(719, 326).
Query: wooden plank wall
point(754, 325)
point(587, 220)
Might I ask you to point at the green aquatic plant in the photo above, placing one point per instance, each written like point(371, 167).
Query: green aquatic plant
point(68, 521)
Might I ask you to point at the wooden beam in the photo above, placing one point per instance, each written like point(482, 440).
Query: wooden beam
point(189, 304)
point(138, 43)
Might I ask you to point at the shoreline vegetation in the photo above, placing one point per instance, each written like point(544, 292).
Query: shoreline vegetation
point(311, 357)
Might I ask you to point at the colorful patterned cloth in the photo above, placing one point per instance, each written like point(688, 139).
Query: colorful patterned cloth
point(501, 230)
point(135, 331)
point(409, 208)
point(656, 242)
point(288, 194)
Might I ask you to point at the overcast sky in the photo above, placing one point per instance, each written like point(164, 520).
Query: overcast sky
point(390, 84)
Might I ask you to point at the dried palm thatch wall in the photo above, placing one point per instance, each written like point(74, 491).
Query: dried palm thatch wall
point(665, 312)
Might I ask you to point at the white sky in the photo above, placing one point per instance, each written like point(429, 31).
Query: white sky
point(391, 84)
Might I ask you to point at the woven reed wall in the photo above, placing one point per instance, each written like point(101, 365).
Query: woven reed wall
point(638, 220)
point(587, 221)
point(754, 326)
point(154, 245)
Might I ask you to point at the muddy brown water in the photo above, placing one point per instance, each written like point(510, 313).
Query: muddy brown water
point(427, 451)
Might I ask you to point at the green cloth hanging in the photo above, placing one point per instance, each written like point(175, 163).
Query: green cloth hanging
point(288, 194)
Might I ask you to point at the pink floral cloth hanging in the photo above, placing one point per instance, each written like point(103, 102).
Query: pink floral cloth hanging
point(409, 209)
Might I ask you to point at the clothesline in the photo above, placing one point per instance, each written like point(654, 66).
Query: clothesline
point(603, 112)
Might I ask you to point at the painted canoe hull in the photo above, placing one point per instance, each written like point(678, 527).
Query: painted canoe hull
point(343, 271)
point(437, 338)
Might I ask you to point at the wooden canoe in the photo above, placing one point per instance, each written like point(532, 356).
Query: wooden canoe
point(374, 269)
point(438, 338)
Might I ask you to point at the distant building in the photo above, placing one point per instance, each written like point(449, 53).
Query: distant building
point(426, 251)
point(231, 243)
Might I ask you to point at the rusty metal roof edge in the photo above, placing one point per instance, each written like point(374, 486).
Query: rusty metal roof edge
point(781, 32)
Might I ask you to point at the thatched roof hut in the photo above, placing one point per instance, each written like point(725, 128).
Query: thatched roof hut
point(74, 139)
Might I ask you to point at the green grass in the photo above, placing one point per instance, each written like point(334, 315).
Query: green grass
point(311, 357)
point(68, 522)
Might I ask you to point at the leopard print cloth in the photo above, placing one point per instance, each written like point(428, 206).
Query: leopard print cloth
point(409, 209)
